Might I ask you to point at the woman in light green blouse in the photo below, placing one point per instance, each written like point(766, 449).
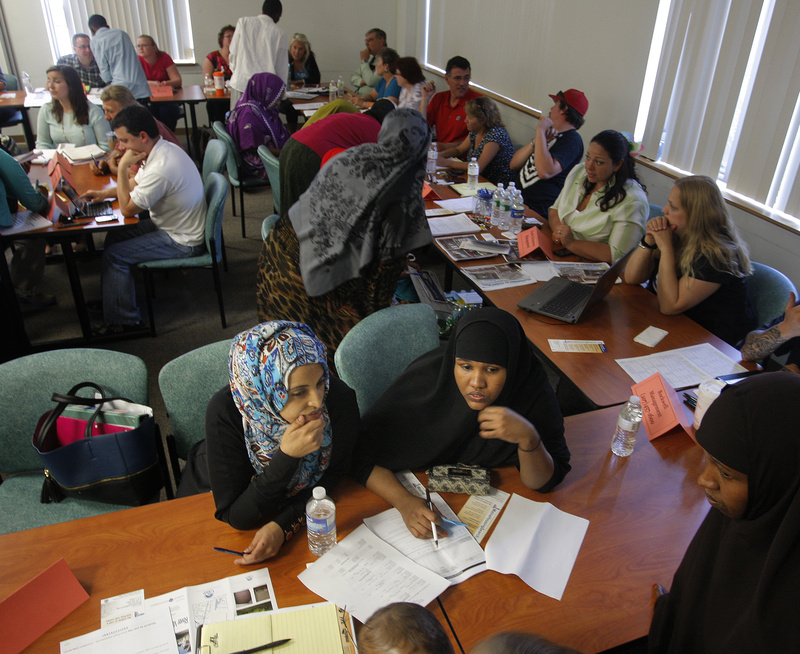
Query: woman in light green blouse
point(70, 117)
point(601, 211)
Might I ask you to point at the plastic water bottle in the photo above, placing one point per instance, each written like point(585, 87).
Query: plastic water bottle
point(517, 212)
point(321, 522)
point(332, 91)
point(26, 82)
point(340, 87)
point(497, 201)
point(208, 84)
point(472, 174)
point(628, 423)
point(433, 155)
point(505, 209)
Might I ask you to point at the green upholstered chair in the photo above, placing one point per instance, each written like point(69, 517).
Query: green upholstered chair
point(214, 159)
point(374, 352)
point(655, 210)
point(236, 173)
point(769, 292)
point(187, 384)
point(267, 224)
point(26, 387)
point(272, 166)
point(216, 193)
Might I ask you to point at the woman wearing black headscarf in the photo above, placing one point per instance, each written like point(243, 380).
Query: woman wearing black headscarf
point(482, 399)
point(736, 588)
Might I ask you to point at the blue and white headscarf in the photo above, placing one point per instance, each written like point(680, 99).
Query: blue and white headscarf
point(261, 361)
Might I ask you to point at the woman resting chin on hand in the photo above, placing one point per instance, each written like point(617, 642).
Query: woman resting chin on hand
point(270, 436)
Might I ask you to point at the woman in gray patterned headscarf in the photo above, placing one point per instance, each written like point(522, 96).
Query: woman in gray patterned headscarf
point(338, 255)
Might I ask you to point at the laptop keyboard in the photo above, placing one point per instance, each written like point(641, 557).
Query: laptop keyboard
point(94, 209)
point(567, 299)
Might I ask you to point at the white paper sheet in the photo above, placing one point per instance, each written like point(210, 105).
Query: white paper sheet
point(684, 367)
point(537, 542)
point(460, 223)
point(362, 574)
point(539, 271)
point(457, 205)
point(146, 634)
point(458, 556)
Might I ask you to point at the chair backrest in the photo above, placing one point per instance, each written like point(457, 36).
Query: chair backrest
point(187, 384)
point(267, 224)
point(272, 166)
point(214, 159)
point(655, 210)
point(28, 383)
point(374, 352)
point(769, 292)
point(12, 83)
point(233, 161)
point(216, 190)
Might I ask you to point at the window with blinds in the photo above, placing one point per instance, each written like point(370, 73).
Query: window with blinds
point(167, 21)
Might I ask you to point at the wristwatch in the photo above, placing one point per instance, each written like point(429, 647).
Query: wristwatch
point(643, 244)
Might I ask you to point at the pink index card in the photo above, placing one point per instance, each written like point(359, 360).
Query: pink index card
point(534, 239)
point(661, 408)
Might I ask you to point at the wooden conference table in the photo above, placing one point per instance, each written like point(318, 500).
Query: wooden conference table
point(16, 100)
point(84, 180)
point(643, 511)
point(624, 313)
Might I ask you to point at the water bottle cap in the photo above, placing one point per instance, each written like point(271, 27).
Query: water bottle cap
point(634, 399)
point(319, 492)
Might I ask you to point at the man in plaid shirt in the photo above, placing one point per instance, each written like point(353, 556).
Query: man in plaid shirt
point(83, 61)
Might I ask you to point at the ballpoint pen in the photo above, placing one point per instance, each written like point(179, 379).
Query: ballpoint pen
point(261, 648)
point(227, 551)
point(433, 524)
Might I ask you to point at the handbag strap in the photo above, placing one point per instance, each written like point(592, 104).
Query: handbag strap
point(62, 400)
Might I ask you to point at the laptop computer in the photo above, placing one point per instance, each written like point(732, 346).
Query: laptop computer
point(566, 300)
point(84, 208)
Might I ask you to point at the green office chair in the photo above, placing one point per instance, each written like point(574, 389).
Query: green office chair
point(769, 292)
point(236, 174)
point(267, 224)
point(374, 352)
point(187, 384)
point(272, 166)
point(655, 210)
point(216, 194)
point(26, 387)
point(214, 160)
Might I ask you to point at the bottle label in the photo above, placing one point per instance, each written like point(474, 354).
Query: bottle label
point(321, 525)
point(628, 425)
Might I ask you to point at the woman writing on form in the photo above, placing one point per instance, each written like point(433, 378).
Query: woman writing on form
point(601, 211)
point(696, 262)
point(283, 426)
point(482, 399)
point(70, 117)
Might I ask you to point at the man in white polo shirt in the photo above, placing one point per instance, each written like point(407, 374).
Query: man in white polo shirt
point(169, 186)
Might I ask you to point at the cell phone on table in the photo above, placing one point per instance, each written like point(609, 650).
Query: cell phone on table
point(105, 219)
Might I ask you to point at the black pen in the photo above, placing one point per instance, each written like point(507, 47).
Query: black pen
point(227, 551)
point(433, 524)
point(261, 648)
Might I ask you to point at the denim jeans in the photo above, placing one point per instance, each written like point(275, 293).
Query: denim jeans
point(123, 250)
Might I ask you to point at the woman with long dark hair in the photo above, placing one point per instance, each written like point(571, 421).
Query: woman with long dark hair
point(70, 117)
point(601, 211)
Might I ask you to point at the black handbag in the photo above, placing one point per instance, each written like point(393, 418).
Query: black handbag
point(117, 468)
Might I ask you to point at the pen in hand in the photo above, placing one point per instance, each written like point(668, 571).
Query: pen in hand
point(433, 524)
point(227, 551)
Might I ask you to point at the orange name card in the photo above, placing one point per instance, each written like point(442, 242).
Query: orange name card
point(428, 193)
point(661, 408)
point(39, 605)
point(534, 239)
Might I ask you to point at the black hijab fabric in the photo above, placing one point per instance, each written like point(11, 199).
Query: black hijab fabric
point(736, 588)
point(422, 419)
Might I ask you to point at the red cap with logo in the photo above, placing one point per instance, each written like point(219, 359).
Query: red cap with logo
point(573, 98)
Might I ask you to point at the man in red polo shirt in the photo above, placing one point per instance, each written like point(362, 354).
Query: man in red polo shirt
point(446, 109)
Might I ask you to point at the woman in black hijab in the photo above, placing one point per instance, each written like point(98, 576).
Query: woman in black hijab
point(482, 399)
point(736, 588)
